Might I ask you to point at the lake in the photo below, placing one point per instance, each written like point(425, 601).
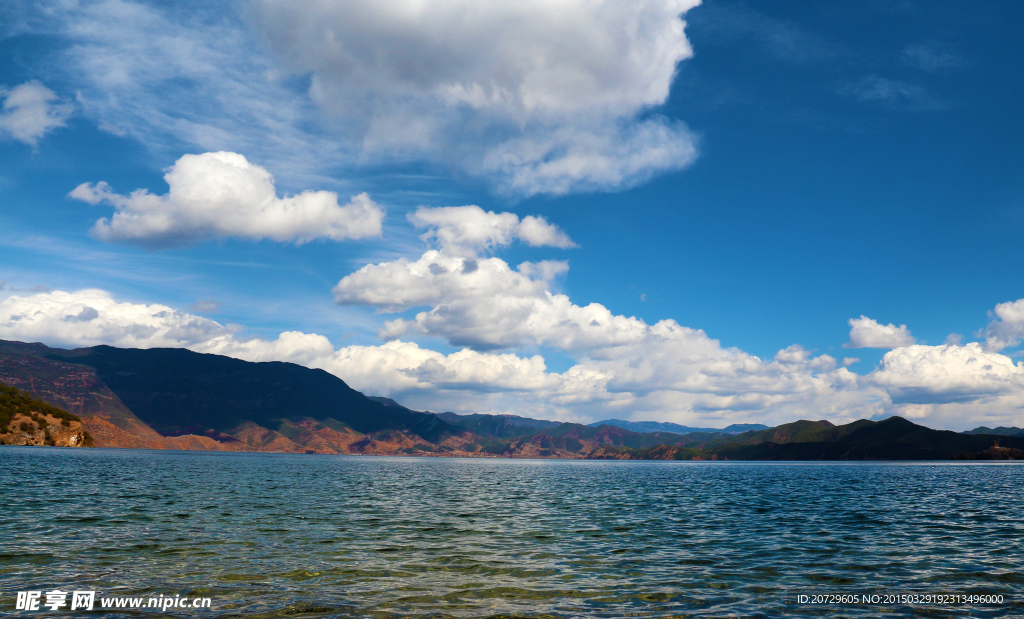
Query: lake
point(281, 535)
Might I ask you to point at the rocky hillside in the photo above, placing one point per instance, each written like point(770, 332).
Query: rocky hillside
point(178, 399)
point(27, 421)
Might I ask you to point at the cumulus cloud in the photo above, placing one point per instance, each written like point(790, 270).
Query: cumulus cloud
point(948, 373)
point(403, 366)
point(291, 346)
point(219, 195)
point(664, 368)
point(437, 278)
point(545, 94)
point(484, 307)
point(1006, 328)
point(511, 58)
point(30, 111)
point(463, 380)
point(91, 317)
point(868, 333)
point(663, 371)
point(469, 230)
point(530, 96)
point(672, 370)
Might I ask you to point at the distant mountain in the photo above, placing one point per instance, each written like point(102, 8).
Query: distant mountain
point(178, 399)
point(661, 426)
point(1000, 431)
point(892, 439)
point(503, 426)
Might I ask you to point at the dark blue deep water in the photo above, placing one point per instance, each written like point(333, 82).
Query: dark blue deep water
point(271, 535)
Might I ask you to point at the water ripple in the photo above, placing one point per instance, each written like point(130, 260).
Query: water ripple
point(268, 535)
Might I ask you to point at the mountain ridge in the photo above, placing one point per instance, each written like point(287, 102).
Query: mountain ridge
point(179, 399)
point(675, 428)
point(999, 431)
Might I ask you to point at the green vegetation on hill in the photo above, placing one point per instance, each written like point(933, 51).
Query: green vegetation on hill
point(497, 434)
point(892, 439)
point(802, 431)
point(612, 435)
point(14, 401)
point(69, 386)
point(1000, 431)
point(498, 426)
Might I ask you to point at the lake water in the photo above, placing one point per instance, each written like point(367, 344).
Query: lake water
point(273, 535)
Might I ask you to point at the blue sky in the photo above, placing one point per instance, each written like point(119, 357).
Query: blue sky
point(780, 170)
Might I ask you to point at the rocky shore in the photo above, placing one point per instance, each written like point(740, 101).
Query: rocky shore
point(25, 420)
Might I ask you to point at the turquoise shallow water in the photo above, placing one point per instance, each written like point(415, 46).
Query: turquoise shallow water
point(272, 535)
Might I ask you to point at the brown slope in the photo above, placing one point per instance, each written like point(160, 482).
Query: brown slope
point(78, 390)
point(25, 420)
point(55, 376)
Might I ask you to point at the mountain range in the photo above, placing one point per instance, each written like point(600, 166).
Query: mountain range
point(661, 426)
point(179, 399)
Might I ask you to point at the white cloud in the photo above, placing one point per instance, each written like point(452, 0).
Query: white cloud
point(662, 371)
point(469, 230)
point(218, 195)
point(699, 370)
point(535, 231)
point(510, 58)
point(464, 380)
point(182, 78)
point(546, 94)
point(868, 333)
point(291, 346)
point(438, 278)
point(580, 157)
point(30, 111)
point(683, 372)
point(947, 373)
point(91, 317)
point(531, 96)
point(664, 368)
point(484, 304)
point(399, 366)
point(794, 353)
point(1006, 328)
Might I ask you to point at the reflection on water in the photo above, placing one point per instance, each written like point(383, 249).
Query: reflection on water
point(272, 535)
